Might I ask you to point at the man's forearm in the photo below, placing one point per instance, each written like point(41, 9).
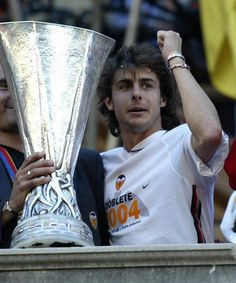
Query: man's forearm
point(199, 112)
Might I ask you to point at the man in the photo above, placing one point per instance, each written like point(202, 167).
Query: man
point(15, 184)
point(159, 185)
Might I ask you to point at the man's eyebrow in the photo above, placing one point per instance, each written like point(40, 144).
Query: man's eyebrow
point(121, 81)
point(147, 79)
point(127, 80)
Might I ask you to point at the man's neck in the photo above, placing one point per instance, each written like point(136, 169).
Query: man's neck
point(12, 140)
point(130, 140)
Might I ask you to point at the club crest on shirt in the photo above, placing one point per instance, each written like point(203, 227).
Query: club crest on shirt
point(93, 219)
point(120, 182)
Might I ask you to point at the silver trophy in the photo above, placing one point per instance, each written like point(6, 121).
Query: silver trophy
point(52, 71)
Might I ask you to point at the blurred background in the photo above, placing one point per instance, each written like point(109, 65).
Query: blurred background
point(206, 27)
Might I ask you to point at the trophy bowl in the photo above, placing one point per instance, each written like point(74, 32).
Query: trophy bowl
point(52, 71)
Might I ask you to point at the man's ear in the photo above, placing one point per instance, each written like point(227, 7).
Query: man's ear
point(163, 102)
point(109, 103)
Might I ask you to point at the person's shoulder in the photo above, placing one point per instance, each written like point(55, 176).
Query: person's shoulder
point(87, 154)
point(89, 159)
point(113, 151)
point(177, 136)
point(179, 130)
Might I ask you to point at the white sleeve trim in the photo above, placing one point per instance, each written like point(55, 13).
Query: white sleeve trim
point(217, 161)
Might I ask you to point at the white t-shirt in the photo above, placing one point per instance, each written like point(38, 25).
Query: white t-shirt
point(161, 192)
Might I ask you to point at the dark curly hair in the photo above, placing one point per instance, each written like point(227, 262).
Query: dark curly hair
point(130, 57)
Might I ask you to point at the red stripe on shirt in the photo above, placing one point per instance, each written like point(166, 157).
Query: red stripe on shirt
point(196, 213)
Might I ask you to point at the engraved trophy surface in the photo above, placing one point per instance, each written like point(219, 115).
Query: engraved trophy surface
point(52, 71)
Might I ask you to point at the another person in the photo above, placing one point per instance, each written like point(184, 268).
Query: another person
point(228, 224)
point(159, 186)
point(15, 181)
point(230, 164)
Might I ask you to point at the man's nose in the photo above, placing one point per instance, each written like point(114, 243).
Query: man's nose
point(9, 101)
point(137, 93)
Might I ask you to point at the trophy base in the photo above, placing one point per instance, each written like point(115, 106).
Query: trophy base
point(51, 230)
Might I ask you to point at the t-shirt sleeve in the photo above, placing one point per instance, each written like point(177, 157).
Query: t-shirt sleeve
point(217, 161)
